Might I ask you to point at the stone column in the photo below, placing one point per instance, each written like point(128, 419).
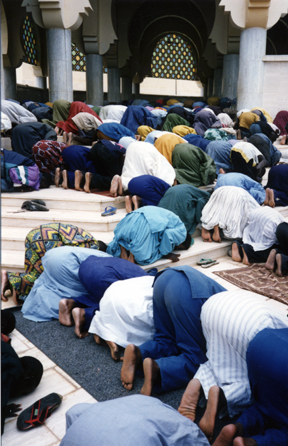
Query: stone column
point(10, 86)
point(136, 90)
point(230, 76)
point(60, 64)
point(94, 79)
point(114, 85)
point(126, 88)
point(210, 87)
point(217, 82)
point(251, 68)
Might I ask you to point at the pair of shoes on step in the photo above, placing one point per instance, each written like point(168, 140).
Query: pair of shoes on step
point(34, 205)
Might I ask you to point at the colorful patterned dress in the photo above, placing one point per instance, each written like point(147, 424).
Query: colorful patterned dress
point(40, 240)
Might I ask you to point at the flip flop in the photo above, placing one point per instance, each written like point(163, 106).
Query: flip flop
point(210, 264)
point(110, 210)
point(36, 414)
point(205, 261)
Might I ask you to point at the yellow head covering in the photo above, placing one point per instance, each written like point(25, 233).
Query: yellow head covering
point(183, 130)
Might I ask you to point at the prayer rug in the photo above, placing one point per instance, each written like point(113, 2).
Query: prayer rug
point(258, 279)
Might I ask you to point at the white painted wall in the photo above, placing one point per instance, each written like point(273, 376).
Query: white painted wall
point(275, 91)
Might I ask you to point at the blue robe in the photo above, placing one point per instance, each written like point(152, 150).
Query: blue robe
point(115, 131)
point(266, 421)
point(240, 180)
point(150, 189)
point(197, 140)
point(278, 181)
point(96, 274)
point(135, 116)
point(220, 153)
point(149, 233)
point(58, 281)
point(178, 346)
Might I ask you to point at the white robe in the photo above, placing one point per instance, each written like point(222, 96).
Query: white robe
point(230, 320)
point(126, 312)
point(143, 158)
point(260, 232)
point(112, 113)
point(5, 122)
point(229, 207)
point(16, 113)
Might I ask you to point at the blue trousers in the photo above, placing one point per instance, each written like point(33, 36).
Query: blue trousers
point(150, 189)
point(178, 345)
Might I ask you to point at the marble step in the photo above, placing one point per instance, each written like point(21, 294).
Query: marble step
point(13, 260)
point(63, 199)
point(91, 221)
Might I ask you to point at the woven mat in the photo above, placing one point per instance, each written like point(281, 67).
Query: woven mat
point(258, 279)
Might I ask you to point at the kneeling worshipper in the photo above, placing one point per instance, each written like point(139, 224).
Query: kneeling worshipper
point(145, 190)
point(24, 136)
point(228, 208)
point(59, 280)
point(18, 173)
point(281, 119)
point(147, 234)
point(172, 358)
point(69, 126)
point(165, 144)
point(112, 113)
point(220, 151)
point(142, 159)
point(197, 140)
point(247, 159)
point(230, 320)
point(16, 113)
point(96, 166)
point(205, 120)
point(113, 131)
point(60, 110)
point(193, 166)
point(48, 157)
point(268, 150)
point(254, 188)
point(125, 314)
point(37, 243)
point(96, 274)
point(278, 257)
point(137, 419)
point(187, 202)
point(264, 423)
point(259, 237)
point(135, 116)
point(278, 183)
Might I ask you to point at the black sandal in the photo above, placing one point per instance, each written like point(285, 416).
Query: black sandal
point(36, 414)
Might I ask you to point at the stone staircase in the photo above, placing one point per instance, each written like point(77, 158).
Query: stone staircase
point(84, 210)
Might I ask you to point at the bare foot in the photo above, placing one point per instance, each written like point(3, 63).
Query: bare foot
point(98, 340)
point(57, 130)
point(269, 200)
point(190, 399)
point(65, 137)
point(151, 373)
point(235, 253)
point(270, 263)
point(222, 171)
point(78, 178)
point(114, 350)
point(226, 436)
point(245, 258)
point(132, 358)
point(65, 179)
point(88, 177)
point(131, 258)
point(15, 297)
point(70, 139)
point(205, 234)
point(238, 134)
point(115, 186)
point(137, 201)
point(124, 254)
point(57, 177)
point(207, 422)
point(138, 137)
point(65, 312)
point(279, 265)
point(78, 315)
point(216, 234)
point(283, 140)
point(5, 284)
point(240, 441)
point(128, 204)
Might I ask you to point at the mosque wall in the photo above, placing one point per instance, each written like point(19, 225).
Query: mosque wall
point(275, 92)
